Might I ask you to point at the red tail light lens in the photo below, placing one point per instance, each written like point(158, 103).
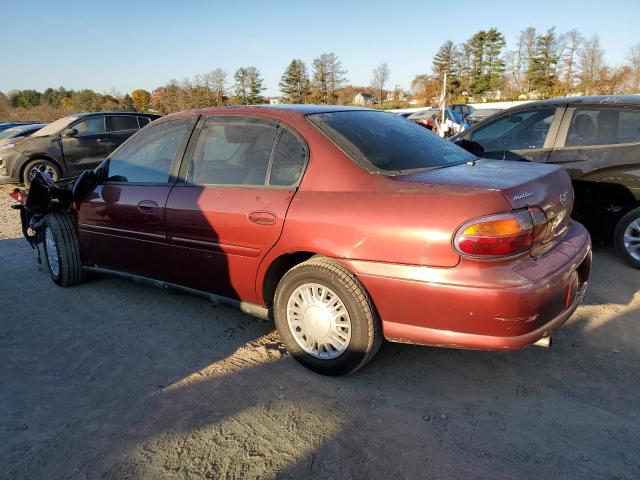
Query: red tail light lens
point(16, 195)
point(501, 235)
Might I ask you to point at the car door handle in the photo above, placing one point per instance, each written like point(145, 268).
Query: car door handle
point(100, 140)
point(147, 206)
point(263, 218)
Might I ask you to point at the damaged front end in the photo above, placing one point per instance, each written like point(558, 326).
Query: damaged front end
point(46, 196)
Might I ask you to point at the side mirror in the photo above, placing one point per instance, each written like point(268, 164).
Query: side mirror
point(69, 132)
point(515, 119)
point(470, 146)
point(84, 185)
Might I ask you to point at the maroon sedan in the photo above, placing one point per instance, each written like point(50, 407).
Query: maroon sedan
point(344, 225)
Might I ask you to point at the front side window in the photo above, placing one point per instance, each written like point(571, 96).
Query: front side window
point(232, 151)
point(90, 126)
point(117, 123)
point(517, 131)
point(143, 121)
point(388, 144)
point(603, 126)
point(147, 156)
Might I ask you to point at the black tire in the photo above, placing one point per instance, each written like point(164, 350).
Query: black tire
point(40, 164)
point(618, 237)
point(366, 329)
point(65, 241)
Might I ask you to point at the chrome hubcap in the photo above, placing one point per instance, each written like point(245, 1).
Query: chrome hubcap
point(319, 321)
point(52, 252)
point(632, 239)
point(46, 169)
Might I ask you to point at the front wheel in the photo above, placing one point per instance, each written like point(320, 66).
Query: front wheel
point(62, 250)
point(326, 318)
point(627, 237)
point(40, 165)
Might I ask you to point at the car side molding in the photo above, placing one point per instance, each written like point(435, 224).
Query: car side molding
point(245, 307)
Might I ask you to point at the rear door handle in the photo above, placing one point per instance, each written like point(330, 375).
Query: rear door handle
point(100, 140)
point(263, 218)
point(147, 206)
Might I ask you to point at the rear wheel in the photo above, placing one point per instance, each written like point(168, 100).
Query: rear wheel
point(627, 237)
point(325, 317)
point(46, 167)
point(62, 250)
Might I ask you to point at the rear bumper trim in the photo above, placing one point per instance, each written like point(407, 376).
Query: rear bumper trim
point(404, 333)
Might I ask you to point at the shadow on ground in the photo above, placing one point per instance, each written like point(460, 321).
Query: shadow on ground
point(112, 379)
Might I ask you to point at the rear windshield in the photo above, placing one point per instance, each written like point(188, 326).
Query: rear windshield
point(388, 144)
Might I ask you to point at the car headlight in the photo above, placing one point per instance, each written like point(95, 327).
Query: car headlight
point(6, 146)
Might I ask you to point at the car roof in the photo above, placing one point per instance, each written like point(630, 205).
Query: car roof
point(587, 100)
point(296, 109)
point(89, 114)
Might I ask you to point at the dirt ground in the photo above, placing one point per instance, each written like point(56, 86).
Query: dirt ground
point(113, 379)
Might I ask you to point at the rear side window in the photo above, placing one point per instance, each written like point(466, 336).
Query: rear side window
point(385, 143)
point(118, 123)
point(232, 151)
point(603, 126)
point(147, 156)
point(288, 161)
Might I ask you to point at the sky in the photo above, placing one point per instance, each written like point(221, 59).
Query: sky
point(125, 45)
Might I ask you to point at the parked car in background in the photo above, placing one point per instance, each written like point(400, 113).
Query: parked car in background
point(69, 145)
point(462, 108)
point(5, 125)
point(597, 139)
point(480, 114)
point(346, 225)
point(424, 118)
point(10, 135)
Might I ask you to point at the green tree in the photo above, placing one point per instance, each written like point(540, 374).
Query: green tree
point(248, 86)
point(486, 65)
point(126, 104)
point(295, 84)
point(542, 67)
point(141, 99)
point(25, 98)
point(446, 61)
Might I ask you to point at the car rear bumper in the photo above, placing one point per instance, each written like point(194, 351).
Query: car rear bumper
point(481, 304)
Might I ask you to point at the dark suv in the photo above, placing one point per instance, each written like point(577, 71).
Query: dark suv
point(69, 145)
point(597, 139)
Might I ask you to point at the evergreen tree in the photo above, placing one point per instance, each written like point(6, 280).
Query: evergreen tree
point(126, 105)
point(542, 67)
point(494, 64)
point(294, 84)
point(445, 61)
point(248, 85)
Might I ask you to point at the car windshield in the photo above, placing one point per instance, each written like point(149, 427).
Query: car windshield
point(10, 132)
point(55, 127)
point(388, 144)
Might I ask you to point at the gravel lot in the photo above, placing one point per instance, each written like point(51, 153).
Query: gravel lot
point(112, 379)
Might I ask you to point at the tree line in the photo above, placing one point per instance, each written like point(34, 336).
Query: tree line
point(539, 65)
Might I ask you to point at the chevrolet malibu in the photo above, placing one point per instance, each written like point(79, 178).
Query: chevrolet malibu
point(344, 225)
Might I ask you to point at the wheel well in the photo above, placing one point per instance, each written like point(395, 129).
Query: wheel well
point(599, 206)
point(276, 271)
point(39, 157)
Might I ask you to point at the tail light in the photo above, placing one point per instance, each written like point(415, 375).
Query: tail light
point(17, 195)
point(502, 235)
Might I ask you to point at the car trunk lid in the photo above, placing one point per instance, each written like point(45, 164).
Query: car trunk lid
point(523, 184)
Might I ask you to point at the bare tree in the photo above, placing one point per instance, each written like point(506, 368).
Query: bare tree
point(216, 81)
point(591, 62)
point(634, 64)
point(528, 38)
point(328, 77)
point(380, 78)
point(574, 42)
